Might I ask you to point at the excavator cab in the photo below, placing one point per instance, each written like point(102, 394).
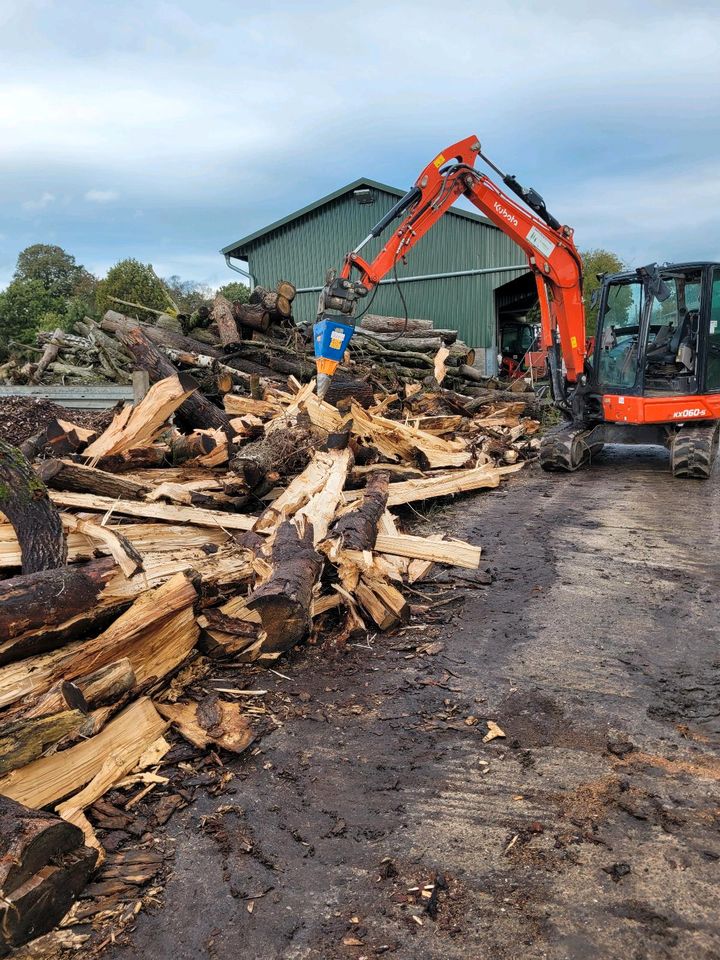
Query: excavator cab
point(650, 340)
point(654, 376)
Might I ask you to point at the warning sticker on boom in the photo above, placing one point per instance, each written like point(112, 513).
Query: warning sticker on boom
point(540, 241)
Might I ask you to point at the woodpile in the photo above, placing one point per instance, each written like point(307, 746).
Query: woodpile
point(184, 533)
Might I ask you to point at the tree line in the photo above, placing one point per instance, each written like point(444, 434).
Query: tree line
point(49, 289)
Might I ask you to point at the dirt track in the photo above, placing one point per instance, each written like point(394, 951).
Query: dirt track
point(590, 831)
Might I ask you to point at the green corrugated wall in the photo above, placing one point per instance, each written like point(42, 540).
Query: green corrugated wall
point(304, 249)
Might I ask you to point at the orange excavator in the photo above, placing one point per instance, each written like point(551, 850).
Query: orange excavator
point(652, 373)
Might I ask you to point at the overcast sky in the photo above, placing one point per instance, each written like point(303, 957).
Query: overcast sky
point(166, 130)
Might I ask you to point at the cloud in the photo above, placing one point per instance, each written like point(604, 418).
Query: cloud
point(613, 125)
point(44, 201)
point(101, 196)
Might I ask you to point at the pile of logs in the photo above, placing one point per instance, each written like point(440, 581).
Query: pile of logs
point(184, 529)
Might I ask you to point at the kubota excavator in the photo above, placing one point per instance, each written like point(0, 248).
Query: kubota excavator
point(654, 372)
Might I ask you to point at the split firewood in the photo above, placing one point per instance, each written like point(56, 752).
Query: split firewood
point(211, 722)
point(49, 779)
point(25, 739)
point(155, 634)
point(24, 501)
point(140, 425)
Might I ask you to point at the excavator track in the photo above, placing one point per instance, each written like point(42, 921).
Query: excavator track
point(693, 451)
point(567, 449)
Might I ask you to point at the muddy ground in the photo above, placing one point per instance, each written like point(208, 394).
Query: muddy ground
point(589, 831)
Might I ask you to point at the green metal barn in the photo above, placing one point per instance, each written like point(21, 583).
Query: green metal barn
point(453, 276)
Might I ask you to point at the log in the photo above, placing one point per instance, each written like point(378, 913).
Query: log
point(97, 689)
point(223, 316)
point(68, 475)
point(59, 438)
point(24, 501)
point(196, 411)
point(283, 306)
point(43, 867)
point(283, 601)
point(188, 446)
point(393, 324)
point(118, 323)
point(286, 289)
point(253, 316)
point(357, 529)
point(138, 426)
point(445, 334)
point(154, 511)
point(50, 353)
point(461, 481)
point(344, 388)
point(67, 596)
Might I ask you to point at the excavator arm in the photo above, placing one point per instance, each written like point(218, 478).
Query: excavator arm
point(549, 247)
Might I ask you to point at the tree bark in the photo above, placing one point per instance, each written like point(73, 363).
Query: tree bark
point(26, 739)
point(393, 324)
point(196, 411)
point(24, 501)
point(283, 601)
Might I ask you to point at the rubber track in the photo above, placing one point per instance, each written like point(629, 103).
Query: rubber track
point(693, 452)
point(563, 450)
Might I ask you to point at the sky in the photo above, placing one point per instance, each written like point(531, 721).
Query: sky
point(167, 130)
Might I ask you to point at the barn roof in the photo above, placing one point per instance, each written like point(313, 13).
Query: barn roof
point(239, 249)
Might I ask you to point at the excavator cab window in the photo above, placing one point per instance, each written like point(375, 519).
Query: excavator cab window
point(673, 331)
point(618, 334)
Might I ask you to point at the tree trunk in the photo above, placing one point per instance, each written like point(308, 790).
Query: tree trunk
point(196, 411)
point(393, 324)
point(118, 323)
point(283, 601)
point(24, 501)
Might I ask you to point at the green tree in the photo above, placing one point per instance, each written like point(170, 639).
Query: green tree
point(133, 282)
point(52, 266)
point(596, 262)
point(187, 294)
point(22, 304)
point(235, 291)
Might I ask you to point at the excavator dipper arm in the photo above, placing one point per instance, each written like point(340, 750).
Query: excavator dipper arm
point(548, 245)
